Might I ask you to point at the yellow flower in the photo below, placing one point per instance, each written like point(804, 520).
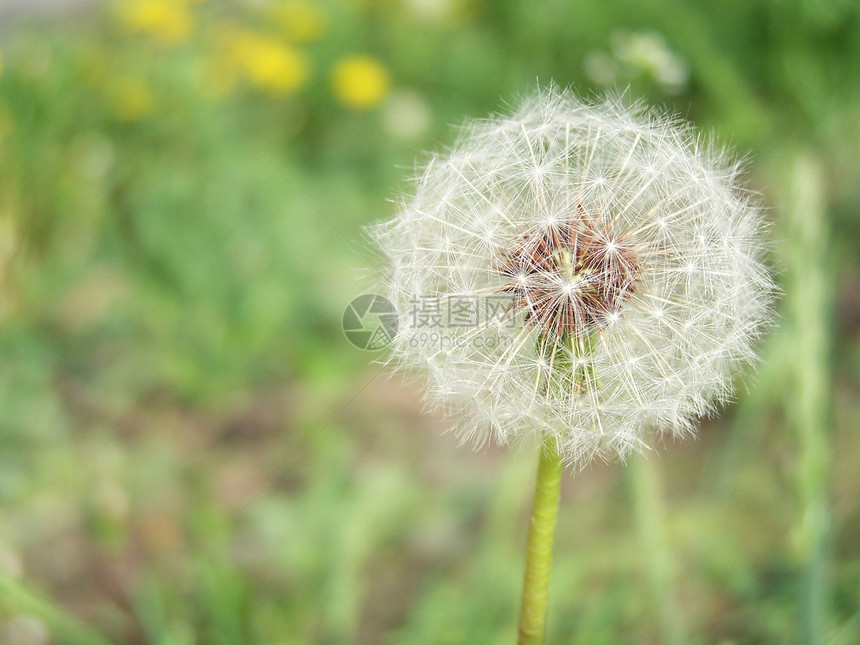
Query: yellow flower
point(166, 20)
point(267, 63)
point(300, 20)
point(360, 82)
point(130, 99)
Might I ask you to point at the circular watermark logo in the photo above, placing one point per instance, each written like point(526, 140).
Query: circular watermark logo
point(370, 322)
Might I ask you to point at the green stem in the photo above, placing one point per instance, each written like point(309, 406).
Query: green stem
point(539, 547)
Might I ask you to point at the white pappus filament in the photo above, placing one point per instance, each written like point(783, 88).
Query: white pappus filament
point(630, 263)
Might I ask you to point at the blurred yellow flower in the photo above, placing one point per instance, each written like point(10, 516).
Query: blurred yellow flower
point(267, 63)
point(360, 82)
point(166, 20)
point(300, 20)
point(130, 99)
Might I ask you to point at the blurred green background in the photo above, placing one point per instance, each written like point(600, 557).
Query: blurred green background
point(191, 452)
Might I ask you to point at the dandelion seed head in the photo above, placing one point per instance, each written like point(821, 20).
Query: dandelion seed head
point(627, 255)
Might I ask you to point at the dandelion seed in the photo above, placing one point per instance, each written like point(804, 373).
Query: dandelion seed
point(630, 260)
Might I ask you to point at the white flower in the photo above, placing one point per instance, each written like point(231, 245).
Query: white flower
point(627, 261)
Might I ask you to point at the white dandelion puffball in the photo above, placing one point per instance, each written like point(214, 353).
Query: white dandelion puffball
point(590, 273)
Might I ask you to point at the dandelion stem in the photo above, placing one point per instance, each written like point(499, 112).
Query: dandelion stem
point(539, 547)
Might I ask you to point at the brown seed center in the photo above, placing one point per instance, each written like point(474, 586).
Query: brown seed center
point(570, 277)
